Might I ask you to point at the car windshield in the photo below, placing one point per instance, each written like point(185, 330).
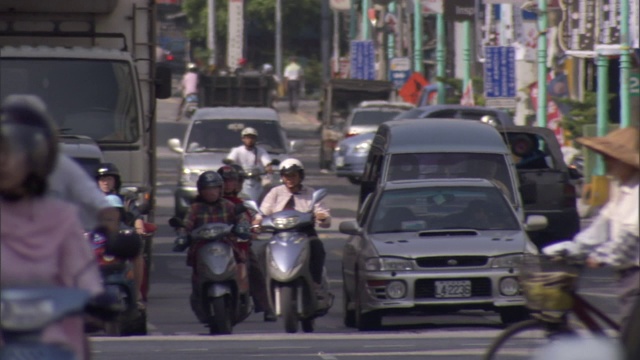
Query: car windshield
point(374, 117)
point(222, 135)
point(492, 167)
point(439, 208)
point(409, 114)
point(93, 98)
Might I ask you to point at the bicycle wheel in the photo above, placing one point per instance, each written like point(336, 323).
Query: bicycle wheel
point(521, 340)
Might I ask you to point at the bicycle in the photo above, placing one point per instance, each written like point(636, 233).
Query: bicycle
point(549, 284)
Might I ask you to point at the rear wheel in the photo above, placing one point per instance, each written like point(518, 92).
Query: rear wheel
point(289, 308)
point(221, 321)
point(112, 328)
point(307, 325)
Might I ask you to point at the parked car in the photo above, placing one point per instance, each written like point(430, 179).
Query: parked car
point(211, 135)
point(493, 116)
point(369, 114)
point(433, 246)
point(547, 184)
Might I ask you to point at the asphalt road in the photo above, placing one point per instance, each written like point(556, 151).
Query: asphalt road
point(174, 332)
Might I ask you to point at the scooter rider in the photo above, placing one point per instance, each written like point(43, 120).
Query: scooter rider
point(250, 155)
point(256, 278)
point(208, 207)
point(188, 85)
point(292, 194)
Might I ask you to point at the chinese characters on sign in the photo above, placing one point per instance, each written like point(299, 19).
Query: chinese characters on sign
point(363, 60)
point(578, 25)
point(500, 76)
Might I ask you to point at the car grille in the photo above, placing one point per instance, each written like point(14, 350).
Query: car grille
point(451, 261)
point(426, 289)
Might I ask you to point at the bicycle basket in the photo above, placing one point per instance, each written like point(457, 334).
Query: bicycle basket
point(548, 283)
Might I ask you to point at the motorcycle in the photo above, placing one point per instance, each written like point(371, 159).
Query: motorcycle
point(220, 297)
point(27, 311)
point(117, 275)
point(190, 105)
point(287, 255)
point(252, 185)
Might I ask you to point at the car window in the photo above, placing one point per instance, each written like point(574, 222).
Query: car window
point(438, 208)
point(492, 167)
point(530, 151)
point(442, 114)
point(222, 135)
point(376, 117)
point(409, 114)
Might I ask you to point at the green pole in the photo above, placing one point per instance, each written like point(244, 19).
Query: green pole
point(542, 64)
point(466, 55)
point(366, 29)
point(353, 22)
point(440, 55)
point(602, 106)
point(625, 65)
point(391, 43)
point(418, 66)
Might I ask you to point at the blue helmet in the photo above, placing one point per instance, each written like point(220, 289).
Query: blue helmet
point(115, 201)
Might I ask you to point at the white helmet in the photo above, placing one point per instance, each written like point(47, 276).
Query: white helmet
point(267, 68)
point(249, 131)
point(291, 165)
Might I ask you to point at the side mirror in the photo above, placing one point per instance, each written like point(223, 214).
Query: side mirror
point(175, 146)
point(350, 227)
point(535, 223)
point(129, 192)
point(296, 145)
point(317, 196)
point(175, 222)
point(252, 205)
point(163, 82)
point(574, 174)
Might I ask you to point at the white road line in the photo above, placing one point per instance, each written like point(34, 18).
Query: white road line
point(388, 346)
point(598, 294)
point(327, 357)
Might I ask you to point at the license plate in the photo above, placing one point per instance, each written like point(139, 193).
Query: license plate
point(340, 161)
point(453, 289)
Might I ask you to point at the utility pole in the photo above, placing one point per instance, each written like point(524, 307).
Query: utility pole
point(336, 43)
point(542, 64)
point(466, 55)
point(418, 66)
point(366, 29)
point(325, 39)
point(625, 65)
point(440, 55)
point(211, 31)
point(279, 38)
point(391, 37)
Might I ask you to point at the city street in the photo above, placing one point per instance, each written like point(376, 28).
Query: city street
point(174, 332)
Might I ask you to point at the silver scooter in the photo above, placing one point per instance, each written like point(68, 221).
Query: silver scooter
point(222, 297)
point(287, 255)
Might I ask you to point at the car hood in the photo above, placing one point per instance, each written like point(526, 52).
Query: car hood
point(412, 245)
point(203, 160)
point(357, 139)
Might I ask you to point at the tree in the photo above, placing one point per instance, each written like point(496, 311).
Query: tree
point(581, 113)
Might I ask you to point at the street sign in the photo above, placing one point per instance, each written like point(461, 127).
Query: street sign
point(500, 76)
point(340, 5)
point(399, 71)
point(578, 26)
point(363, 60)
point(459, 10)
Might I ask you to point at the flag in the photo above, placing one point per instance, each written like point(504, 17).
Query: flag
point(467, 95)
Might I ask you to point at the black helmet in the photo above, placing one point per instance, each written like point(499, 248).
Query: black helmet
point(209, 179)
point(26, 127)
point(241, 173)
point(228, 173)
point(109, 169)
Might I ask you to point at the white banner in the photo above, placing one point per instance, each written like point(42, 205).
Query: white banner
point(634, 23)
point(340, 5)
point(235, 32)
point(432, 6)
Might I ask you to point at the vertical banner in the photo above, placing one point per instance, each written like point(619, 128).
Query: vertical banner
point(235, 33)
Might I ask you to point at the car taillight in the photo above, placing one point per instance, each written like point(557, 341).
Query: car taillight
point(169, 57)
point(569, 195)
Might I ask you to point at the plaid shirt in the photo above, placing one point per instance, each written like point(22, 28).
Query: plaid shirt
point(222, 211)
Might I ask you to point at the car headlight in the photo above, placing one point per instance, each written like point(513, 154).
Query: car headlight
point(363, 147)
point(396, 290)
point(190, 176)
point(509, 286)
point(507, 261)
point(388, 264)
point(285, 222)
point(337, 148)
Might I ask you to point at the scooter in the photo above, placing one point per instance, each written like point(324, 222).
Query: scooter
point(190, 105)
point(252, 185)
point(291, 287)
point(117, 275)
point(220, 297)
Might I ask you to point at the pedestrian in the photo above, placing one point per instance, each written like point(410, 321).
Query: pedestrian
point(293, 76)
point(613, 238)
point(254, 159)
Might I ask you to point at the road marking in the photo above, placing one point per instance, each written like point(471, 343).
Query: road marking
point(283, 347)
point(388, 346)
point(327, 356)
point(598, 294)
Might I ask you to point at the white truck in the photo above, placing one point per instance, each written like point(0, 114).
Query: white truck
point(93, 63)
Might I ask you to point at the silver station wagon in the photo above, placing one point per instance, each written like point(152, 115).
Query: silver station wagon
point(432, 246)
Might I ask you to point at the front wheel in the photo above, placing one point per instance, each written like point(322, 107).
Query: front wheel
point(289, 308)
point(524, 339)
point(221, 321)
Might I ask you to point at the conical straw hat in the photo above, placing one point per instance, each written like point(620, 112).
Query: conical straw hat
point(621, 144)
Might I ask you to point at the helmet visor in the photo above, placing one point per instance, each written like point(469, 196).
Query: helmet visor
point(18, 138)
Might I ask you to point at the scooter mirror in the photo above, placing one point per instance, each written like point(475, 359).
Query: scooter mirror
point(252, 205)
point(176, 222)
point(318, 195)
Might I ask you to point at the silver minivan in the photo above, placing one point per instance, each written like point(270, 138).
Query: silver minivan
point(440, 148)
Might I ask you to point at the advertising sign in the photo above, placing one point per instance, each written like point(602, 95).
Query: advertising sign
point(578, 25)
point(500, 76)
point(399, 71)
point(235, 33)
point(363, 60)
point(432, 6)
point(459, 10)
point(340, 5)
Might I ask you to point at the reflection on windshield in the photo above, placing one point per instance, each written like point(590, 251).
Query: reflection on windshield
point(376, 117)
point(85, 97)
point(222, 135)
point(492, 167)
point(438, 208)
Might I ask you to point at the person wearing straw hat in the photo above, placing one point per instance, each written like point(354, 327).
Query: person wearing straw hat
point(613, 238)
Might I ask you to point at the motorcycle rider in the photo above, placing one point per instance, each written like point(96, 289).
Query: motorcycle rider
point(249, 155)
point(188, 85)
point(292, 194)
point(36, 230)
point(257, 286)
point(109, 182)
point(208, 207)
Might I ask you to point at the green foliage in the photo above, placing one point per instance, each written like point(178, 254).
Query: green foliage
point(455, 93)
point(581, 113)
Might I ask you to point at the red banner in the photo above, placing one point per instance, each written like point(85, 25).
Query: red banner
point(554, 117)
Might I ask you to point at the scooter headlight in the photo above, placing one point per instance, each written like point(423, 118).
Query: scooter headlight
point(24, 315)
point(285, 222)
